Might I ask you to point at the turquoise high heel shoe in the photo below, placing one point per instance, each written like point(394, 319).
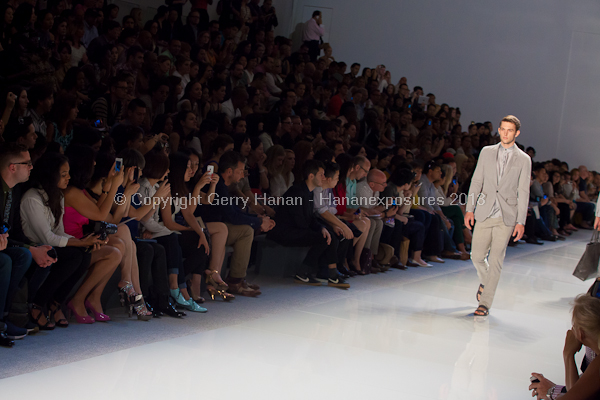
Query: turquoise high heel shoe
point(190, 304)
point(196, 307)
point(179, 299)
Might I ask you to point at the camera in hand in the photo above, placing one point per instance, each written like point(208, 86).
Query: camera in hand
point(103, 229)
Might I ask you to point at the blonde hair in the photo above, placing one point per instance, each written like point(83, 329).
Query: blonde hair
point(586, 315)
point(447, 177)
point(273, 153)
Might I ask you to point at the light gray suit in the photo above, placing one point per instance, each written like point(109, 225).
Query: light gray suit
point(491, 235)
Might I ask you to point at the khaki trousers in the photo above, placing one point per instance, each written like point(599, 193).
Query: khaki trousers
point(374, 236)
point(488, 249)
point(240, 237)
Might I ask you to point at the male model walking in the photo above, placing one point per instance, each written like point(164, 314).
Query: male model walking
point(498, 196)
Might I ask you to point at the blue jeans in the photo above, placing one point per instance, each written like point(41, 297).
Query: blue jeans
point(14, 263)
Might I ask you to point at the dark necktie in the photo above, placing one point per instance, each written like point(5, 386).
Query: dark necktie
point(7, 206)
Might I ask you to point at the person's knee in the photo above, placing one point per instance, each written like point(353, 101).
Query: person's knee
point(113, 255)
point(5, 264)
point(118, 243)
point(246, 232)
point(159, 251)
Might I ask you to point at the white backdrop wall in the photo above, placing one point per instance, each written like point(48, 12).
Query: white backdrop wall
point(537, 59)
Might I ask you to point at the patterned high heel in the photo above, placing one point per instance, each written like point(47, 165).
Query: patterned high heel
point(221, 293)
point(134, 302)
point(210, 280)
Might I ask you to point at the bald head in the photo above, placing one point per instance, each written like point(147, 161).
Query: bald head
point(377, 180)
point(376, 175)
point(583, 172)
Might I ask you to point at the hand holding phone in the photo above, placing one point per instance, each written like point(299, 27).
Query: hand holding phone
point(118, 164)
point(210, 169)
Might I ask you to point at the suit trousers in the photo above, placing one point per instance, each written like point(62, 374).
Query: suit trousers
point(488, 248)
point(240, 237)
point(320, 252)
point(374, 236)
point(314, 49)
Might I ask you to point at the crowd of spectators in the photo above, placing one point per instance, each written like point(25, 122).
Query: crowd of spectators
point(195, 136)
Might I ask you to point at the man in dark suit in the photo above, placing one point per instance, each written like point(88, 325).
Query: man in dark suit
point(15, 255)
point(191, 28)
point(297, 225)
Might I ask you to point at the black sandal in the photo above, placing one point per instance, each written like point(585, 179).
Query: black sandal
point(483, 311)
point(61, 323)
point(46, 326)
point(479, 293)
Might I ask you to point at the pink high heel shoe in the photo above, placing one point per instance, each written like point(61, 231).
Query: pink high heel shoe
point(98, 316)
point(80, 318)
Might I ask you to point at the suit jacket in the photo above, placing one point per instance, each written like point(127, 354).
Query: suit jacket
point(297, 216)
point(189, 35)
point(512, 191)
point(16, 237)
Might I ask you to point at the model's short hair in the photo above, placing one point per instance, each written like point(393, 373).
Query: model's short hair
point(513, 120)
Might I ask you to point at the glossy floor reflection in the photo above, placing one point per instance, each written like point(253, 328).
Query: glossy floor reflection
point(403, 335)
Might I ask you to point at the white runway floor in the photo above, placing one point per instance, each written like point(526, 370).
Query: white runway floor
point(400, 335)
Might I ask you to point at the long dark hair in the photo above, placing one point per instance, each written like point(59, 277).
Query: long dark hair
point(81, 160)
point(177, 166)
point(62, 110)
point(45, 176)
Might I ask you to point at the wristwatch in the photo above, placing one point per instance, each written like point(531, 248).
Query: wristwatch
point(551, 394)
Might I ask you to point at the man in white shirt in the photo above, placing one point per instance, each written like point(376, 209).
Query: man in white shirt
point(313, 30)
point(367, 192)
point(239, 99)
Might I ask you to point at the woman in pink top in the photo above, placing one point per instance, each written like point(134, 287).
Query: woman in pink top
point(80, 206)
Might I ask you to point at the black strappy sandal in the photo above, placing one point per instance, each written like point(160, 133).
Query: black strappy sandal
point(46, 326)
point(61, 323)
point(483, 311)
point(479, 293)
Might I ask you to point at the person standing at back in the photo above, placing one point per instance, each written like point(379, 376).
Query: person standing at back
point(313, 31)
point(498, 199)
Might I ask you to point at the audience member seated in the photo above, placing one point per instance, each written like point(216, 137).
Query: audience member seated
point(297, 225)
point(585, 332)
point(82, 211)
point(240, 225)
point(193, 237)
point(152, 257)
point(42, 211)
